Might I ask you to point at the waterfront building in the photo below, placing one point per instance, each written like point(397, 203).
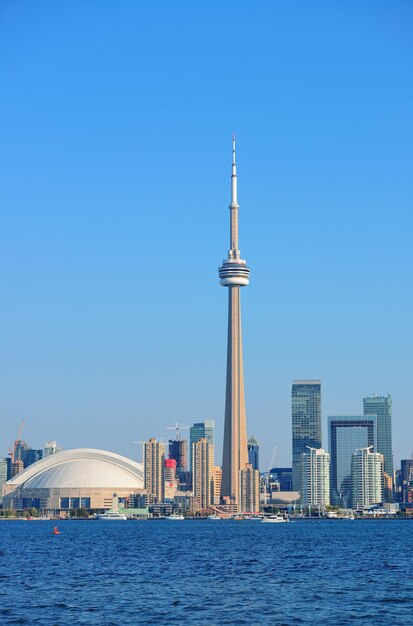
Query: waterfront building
point(254, 453)
point(346, 434)
point(51, 447)
point(406, 478)
point(306, 422)
point(216, 485)
point(178, 450)
point(154, 456)
point(249, 489)
point(382, 407)
point(201, 430)
point(315, 477)
point(3, 475)
point(202, 472)
point(75, 478)
point(282, 477)
point(366, 478)
point(233, 275)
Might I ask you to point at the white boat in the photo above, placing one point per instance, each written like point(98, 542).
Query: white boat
point(111, 516)
point(274, 519)
point(176, 517)
point(213, 516)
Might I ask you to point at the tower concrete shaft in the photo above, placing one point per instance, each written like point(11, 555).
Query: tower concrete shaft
point(234, 274)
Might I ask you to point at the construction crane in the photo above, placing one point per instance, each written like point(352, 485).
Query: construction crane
point(12, 451)
point(178, 428)
point(141, 443)
point(267, 477)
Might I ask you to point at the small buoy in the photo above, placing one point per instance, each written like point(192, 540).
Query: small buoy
point(56, 531)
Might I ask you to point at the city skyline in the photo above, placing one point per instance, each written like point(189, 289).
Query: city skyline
point(113, 169)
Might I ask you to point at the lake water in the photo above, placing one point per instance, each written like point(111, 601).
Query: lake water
point(206, 572)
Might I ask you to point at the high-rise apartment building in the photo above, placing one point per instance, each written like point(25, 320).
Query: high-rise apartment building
point(315, 477)
point(233, 275)
point(154, 457)
point(51, 447)
point(202, 472)
point(216, 485)
point(249, 489)
point(382, 407)
point(306, 422)
point(201, 430)
point(254, 453)
point(178, 450)
point(17, 466)
point(366, 478)
point(346, 434)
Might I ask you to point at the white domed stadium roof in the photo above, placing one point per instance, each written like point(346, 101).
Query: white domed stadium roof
point(81, 468)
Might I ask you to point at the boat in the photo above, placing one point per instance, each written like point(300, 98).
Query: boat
point(274, 519)
point(213, 516)
point(111, 516)
point(56, 531)
point(176, 517)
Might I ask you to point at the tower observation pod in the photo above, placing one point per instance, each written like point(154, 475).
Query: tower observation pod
point(234, 274)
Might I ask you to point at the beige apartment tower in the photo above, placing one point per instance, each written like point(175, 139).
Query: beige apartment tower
point(154, 456)
point(249, 490)
point(202, 472)
point(234, 274)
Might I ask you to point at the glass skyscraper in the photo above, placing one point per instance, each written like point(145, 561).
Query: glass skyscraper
point(346, 434)
point(381, 406)
point(200, 430)
point(254, 453)
point(306, 422)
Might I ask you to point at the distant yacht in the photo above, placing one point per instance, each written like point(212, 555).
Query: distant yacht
point(274, 519)
point(213, 516)
point(176, 517)
point(111, 516)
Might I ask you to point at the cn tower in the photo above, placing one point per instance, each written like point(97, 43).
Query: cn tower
point(234, 274)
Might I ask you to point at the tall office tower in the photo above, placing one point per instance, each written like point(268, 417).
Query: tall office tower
point(366, 478)
point(254, 453)
point(249, 489)
point(51, 447)
point(234, 274)
point(216, 485)
point(154, 456)
point(178, 450)
point(346, 434)
point(200, 430)
point(202, 472)
point(3, 475)
point(306, 421)
point(315, 477)
point(381, 406)
point(30, 456)
point(406, 477)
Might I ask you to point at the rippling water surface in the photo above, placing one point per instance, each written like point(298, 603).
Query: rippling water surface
point(206, 572)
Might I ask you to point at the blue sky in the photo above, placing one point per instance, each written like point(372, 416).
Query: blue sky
point(115, 123)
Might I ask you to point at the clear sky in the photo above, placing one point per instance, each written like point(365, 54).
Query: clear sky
point(115, 126)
